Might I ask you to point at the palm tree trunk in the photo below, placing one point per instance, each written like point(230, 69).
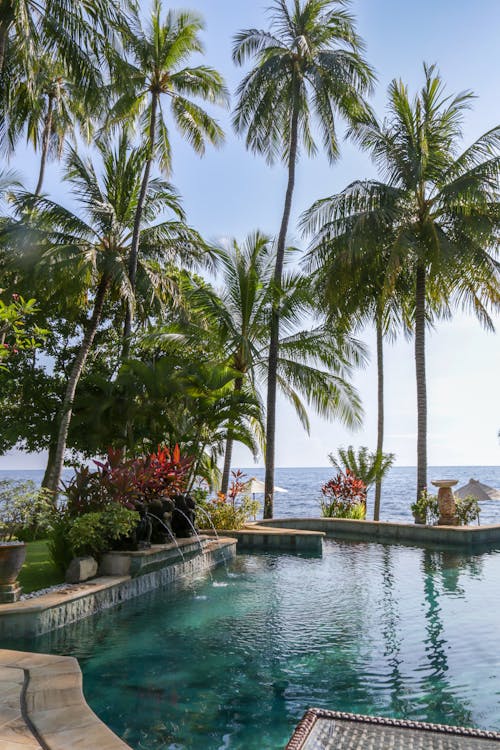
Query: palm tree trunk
point(421, 380)
point(45, 143)
point(275, 322)
point(134, 248)
point(380, 415)
point(238, 385)
point(227, 464)
point(76, 371)
point(4, 31)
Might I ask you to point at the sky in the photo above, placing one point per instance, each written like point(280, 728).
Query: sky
point(231, 192)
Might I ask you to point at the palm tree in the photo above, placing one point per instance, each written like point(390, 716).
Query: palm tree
point(70, 29)
point(314, 365)
point(154, 70)
point(47, 106)
point(442, 207)
point(308, 64)
point(367, 466)
point(349, 260)
point(89, 248)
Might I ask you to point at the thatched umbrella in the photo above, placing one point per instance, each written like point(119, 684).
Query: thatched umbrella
point(477, 489)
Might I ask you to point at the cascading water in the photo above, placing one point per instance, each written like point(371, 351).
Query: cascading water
point(217, 538)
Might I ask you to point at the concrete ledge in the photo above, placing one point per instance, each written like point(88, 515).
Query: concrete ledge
point(42, 706)
point(139, 562)
point(453, 536)
point(32, 617)
point(258, 537)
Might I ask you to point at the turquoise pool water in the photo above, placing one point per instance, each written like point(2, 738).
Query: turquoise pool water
point(234, 662)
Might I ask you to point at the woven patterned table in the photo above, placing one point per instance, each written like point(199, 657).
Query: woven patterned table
point(330, 730)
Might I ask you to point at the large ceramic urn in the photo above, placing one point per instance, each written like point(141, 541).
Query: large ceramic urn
point(12, 556)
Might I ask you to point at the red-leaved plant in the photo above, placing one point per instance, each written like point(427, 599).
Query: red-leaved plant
point(344, 496)
point(162, 473)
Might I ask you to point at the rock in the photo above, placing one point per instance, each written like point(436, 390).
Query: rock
point(81, 569)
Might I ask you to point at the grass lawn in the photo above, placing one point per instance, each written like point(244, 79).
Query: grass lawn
point(38, 572)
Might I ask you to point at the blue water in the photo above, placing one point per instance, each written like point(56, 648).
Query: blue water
point(232, 663)
point(304, 489)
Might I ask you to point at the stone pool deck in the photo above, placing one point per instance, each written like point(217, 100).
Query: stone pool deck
point(255, 536)
point(385, 531)
point(147, 570)
point(42, 706)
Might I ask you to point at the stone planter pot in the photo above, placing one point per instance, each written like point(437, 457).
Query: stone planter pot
point(421, 520)
point(12, 557)
point(446, 500)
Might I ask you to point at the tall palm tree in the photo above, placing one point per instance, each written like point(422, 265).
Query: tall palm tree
point(443, 210)
point(89, 248)
point(309, 64)
point(349, 261)
point(47, 106)
point(154, 69)
point(314, 364)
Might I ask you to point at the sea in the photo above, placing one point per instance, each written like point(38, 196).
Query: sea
point(303, 488)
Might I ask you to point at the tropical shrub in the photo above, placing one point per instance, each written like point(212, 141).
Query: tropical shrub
point(95, 533)
point(25, 511)
point(59, 545)
point(344, 496)
point(468, 510)
point(364, 464)
point(426, 508)
point(229, 511)
point(138, 480)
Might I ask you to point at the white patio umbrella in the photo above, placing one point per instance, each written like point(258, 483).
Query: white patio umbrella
point(478, 490)
point(256, 487)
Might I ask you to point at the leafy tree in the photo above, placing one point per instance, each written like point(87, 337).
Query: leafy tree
point(443, 211)
point(91, 247)
point(309, 64)
point(14, 335)
point(152, 70)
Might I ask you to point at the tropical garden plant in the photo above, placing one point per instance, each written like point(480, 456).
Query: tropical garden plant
point(229, 511)
point(370, 467)
point(309, 64)
point(344, 496)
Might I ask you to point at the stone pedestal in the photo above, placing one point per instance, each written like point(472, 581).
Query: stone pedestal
point(446, 500)
point(10, 592)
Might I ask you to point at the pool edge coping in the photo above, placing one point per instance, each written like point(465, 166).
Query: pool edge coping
point(51, 689)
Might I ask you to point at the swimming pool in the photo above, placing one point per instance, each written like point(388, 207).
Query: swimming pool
point(234, 661)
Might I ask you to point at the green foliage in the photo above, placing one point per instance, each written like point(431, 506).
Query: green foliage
point(344, 496)
point(224, 514)
point(426, 508)
point(59, 545)
point(14, 334)
point(468, 510)
point(229, 511)
point(26, 511)
point(367, 466)
point(94, 533)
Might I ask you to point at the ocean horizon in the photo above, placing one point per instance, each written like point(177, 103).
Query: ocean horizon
point(303, 485)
